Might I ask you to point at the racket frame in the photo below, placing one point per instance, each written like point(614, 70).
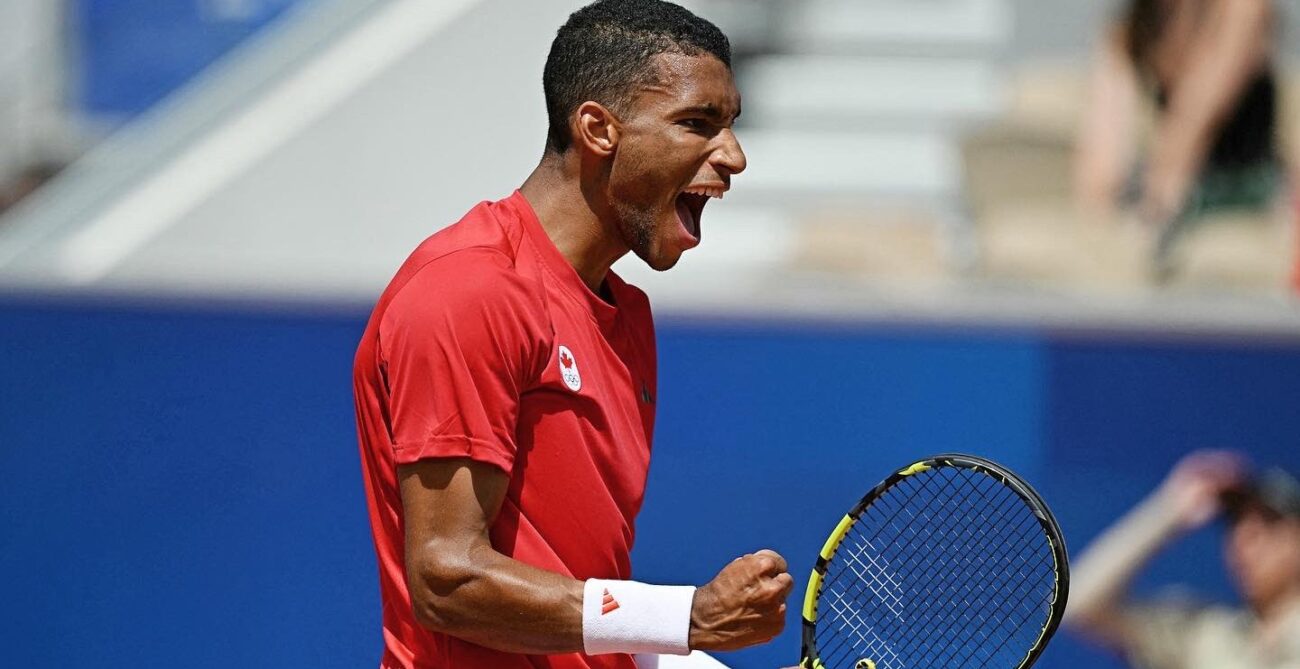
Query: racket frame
point(1061, 565)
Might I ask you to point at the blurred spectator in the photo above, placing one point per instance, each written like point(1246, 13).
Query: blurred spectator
point(1262, 552)
point(1206, 67)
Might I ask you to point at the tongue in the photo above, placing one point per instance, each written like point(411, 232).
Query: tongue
point(687, 219)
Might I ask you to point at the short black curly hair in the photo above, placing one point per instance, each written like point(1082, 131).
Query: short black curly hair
point(606, 50)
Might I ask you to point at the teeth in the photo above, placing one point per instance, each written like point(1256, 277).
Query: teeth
point(706, 191)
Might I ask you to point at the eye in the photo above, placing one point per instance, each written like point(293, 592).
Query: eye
point(696, 124)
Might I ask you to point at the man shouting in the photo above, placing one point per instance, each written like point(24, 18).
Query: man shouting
point(505, 384)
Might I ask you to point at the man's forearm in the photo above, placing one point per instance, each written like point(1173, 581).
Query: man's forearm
point(494, 601)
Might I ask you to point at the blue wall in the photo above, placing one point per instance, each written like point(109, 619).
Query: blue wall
point(182, 483)
point(132, 53)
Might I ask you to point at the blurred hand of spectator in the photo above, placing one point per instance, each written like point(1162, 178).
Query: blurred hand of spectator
point(1261, 553)
point(1191, 493)
point(1188, 498)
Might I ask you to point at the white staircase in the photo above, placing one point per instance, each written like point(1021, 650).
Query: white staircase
point(855, 104)
point(852, 108)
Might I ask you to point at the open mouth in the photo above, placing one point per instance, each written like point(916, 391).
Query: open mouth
point(690, 206)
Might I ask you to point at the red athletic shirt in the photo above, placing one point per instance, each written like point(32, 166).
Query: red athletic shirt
point(487, 345)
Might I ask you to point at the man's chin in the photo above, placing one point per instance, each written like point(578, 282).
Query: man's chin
point(664, 265)
point(661, 260)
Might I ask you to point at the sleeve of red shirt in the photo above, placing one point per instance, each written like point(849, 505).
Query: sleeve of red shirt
point(460, 342)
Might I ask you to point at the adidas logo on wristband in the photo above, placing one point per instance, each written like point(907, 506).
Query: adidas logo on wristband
point(651, 618)
point(608, 603)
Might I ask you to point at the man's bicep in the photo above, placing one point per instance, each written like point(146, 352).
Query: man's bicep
point(459, 584)
point(450, 501)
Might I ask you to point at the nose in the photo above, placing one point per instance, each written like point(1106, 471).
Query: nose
point(728, 157)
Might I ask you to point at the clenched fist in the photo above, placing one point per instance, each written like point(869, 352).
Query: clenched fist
point(744, 605)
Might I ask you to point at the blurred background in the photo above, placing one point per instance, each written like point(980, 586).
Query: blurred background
point(201, 199)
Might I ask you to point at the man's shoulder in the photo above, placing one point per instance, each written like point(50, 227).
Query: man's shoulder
point(476, 255)
point(479, 271)
point(471, 296)
point(466, 281)
point(484, 231)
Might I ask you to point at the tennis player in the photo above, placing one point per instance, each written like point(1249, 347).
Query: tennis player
point(505, 385)
point(1262, 550)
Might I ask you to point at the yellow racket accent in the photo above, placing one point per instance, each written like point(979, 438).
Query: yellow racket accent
point(915, 469)
point(836, 537)
point(810, 597)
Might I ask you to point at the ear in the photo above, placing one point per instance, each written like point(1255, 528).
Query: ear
point(596, 129)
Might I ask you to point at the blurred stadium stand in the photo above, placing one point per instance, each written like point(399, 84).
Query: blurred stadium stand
point(886, 281)
point(132, 53)
point(903, 158)
point(931, 145)
point(73, 71)
point(274, 172)
point(36, 130)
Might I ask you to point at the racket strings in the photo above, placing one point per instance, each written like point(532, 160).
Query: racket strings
point(946, 620)
point(1004, 613)
point(861, 543)
point(955, 549)
point(865, 543)
point(850, 552)
point(1001, 618)
point(1023, 531)
point(957, 582)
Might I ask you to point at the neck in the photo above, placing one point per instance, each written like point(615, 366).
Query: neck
point(1281, 604)
point(570, 215)
point(1274, 617)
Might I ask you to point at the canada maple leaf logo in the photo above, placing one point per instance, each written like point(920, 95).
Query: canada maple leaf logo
point(569, 370)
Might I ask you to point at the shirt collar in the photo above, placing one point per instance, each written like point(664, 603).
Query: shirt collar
point(559, 267)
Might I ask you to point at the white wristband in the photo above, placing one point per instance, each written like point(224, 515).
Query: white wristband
point(632, 617)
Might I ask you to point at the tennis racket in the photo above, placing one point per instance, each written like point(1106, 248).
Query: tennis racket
point(952, 562)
